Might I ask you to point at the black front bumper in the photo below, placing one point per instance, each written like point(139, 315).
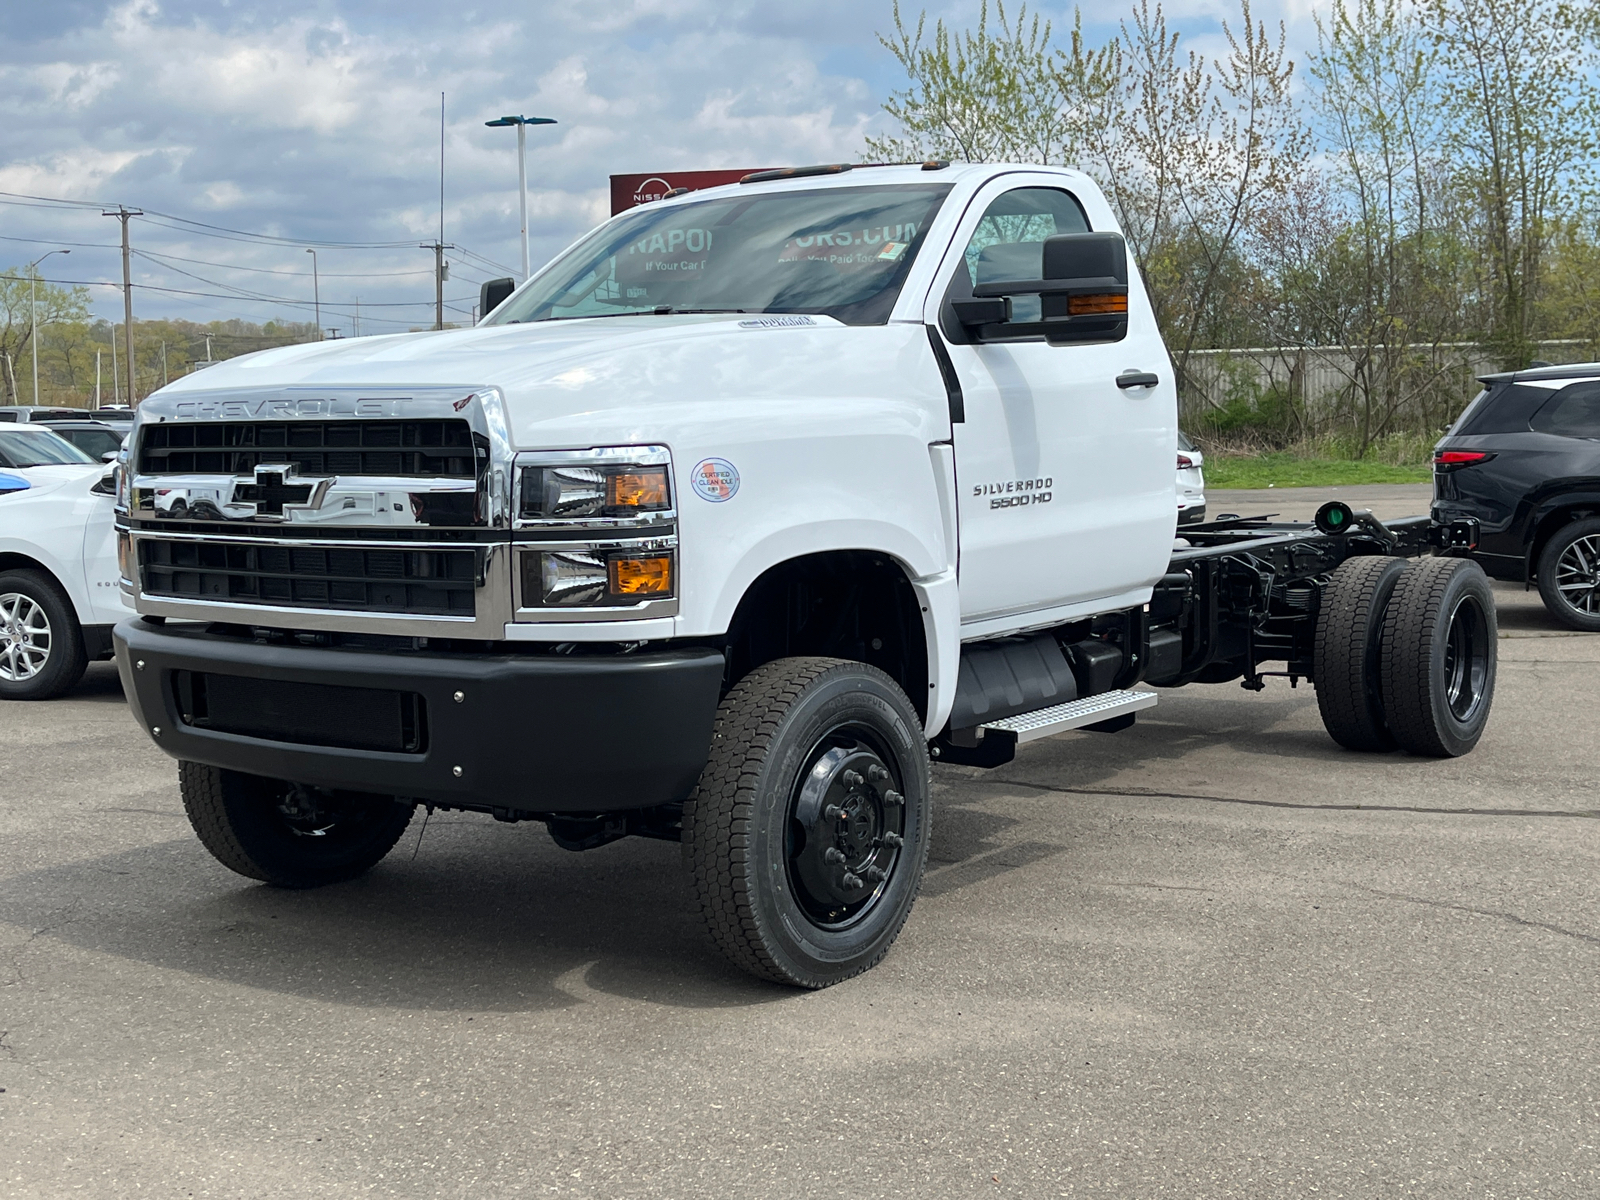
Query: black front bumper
point(530, 733)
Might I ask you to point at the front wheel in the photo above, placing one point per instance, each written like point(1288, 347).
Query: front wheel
point(41, 643)
point(807, 836)
point(285, 834)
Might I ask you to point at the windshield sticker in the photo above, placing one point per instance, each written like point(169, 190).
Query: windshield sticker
point(775, 322)
point(714, 479)
point(893, 251)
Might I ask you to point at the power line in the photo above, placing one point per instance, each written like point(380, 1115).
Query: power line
point(206, 262)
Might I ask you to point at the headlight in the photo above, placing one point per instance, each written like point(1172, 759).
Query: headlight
point(588, 578)
point(596, 485)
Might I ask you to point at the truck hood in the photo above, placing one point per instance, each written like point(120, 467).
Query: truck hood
point(597, 380)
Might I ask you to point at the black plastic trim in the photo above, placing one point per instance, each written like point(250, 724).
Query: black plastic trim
point(548, 733)
point(952, 381)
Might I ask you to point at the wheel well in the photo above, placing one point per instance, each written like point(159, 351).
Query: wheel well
point(1552, 523)
point(855, 604)
point(21, 562)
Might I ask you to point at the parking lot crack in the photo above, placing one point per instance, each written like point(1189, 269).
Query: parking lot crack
point(1483, 912)
point(1589, 814)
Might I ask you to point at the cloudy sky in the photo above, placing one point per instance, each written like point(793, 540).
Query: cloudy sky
point(317, 122)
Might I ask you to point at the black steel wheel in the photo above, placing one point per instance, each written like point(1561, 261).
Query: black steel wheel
point(285, 834)
point(1568, 571)
point(41, 642)
point(807, 836)
point(1344, 657)
point(1437, 660)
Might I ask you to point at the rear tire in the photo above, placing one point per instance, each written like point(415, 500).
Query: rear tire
point(807, 836)
point(290, 837)
point(1569, 575)
point(1344, 657)
point(1437, 663)
point(41, 642)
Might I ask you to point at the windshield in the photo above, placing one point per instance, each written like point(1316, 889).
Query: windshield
point(93, 442)
point(29, 448)
point(842, 252)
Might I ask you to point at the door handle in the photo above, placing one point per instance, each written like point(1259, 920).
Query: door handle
point(1133, 379)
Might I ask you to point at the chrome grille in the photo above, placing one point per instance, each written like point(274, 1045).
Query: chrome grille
point(420, 449)
point(418, 582)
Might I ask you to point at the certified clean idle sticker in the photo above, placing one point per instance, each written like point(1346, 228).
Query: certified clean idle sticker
point(714, 479)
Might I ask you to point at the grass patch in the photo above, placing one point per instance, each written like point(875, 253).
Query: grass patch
point(1293, 470)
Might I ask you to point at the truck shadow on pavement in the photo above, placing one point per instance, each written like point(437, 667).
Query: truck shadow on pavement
point(485, 919)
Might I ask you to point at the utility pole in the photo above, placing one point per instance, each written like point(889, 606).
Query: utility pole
point(358, 317)
point(123, 212)
point(316, 292)
point(441, 272)
point(116, 372)
point(10, 374)
point(163, 364)
point(97, 379)
point(208, 338)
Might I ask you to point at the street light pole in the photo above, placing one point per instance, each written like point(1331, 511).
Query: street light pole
point(33, 309)
point(522, 124)
point(316, 292)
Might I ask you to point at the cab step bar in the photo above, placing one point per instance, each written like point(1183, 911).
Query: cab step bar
point(998, 740)
point(1074, 714)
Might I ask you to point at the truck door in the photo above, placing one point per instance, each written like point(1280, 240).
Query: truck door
point(1065, 479)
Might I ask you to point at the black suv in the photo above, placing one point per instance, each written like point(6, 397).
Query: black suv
point(1524, 459)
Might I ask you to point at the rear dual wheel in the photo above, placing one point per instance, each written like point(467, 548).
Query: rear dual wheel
point(1405, 655)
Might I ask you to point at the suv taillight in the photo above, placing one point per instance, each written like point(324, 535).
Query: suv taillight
point(1454, 460)
point(1184, 462)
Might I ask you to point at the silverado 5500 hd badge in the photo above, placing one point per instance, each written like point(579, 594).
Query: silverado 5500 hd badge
point(1016, 493)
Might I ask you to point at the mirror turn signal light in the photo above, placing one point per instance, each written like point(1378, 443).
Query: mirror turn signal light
point(641, 576)
point(1083, 306)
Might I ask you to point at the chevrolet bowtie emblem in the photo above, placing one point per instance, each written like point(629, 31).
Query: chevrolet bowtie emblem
point(278, 485)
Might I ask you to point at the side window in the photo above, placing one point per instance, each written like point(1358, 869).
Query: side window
point(1009, 241)
point(1574, 411)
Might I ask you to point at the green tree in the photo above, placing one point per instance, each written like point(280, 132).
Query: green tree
point(18, 297)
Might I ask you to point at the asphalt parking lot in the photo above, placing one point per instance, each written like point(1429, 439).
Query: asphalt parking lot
point(1213, 956)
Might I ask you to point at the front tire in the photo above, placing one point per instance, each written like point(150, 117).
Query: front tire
point(1569, 575)
point(807, 836)
point(41, 642)
point(1437, 662)
point(287, 835)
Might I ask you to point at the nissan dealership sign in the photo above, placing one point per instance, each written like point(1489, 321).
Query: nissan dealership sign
point(630, 191)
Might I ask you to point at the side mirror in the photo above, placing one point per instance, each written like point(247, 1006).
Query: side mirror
point(110, 456)
point(1083, 296)
point(493, 294)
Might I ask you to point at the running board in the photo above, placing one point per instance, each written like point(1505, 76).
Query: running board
point(997, 741)
point(1074, 714)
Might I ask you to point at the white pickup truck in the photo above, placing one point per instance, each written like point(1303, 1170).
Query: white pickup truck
point(718, 529)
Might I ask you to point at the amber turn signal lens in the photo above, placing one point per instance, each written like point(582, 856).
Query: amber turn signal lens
point(637, 489)
point(642, 576)
point(1083, 306)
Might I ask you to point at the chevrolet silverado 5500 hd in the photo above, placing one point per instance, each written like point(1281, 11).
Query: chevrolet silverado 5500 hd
point(718, 529)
